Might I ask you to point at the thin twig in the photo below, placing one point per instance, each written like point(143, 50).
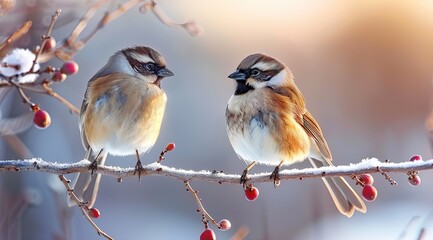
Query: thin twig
point(190, 26)
point(83, 22)
point(366, 166)
point(17, 34)
point(201, 209)
point(83, 207)
point(24, 96)
point(45, 37)
point(46, 89)
point(387, 177)
point(110, 16)
point(63, 100)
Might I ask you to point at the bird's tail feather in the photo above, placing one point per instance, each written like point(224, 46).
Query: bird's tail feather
point(345, 198)
point(86, 185)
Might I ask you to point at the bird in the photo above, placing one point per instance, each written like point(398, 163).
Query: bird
point(121, 113)
point(268, 123)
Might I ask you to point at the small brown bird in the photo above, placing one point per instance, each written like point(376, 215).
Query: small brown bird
point(267, 123)
point(121, 112)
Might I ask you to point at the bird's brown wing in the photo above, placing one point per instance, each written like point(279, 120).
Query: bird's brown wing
point(305, 119)
point(81, 122)
point(313, 129)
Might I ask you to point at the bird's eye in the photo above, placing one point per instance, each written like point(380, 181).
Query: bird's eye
point(255, 72)
point(150, 66)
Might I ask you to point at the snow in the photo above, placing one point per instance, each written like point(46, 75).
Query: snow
point(23, 59)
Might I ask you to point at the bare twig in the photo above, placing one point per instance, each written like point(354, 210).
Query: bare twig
point(40, 87)
point(205, 215)
point(17, 34)
point(190, 26)
point(24, 96)
point(63, 100)
point(45, 37)
point(366, 166)
point(82, 206)
point(83, 22)
point(72, 45)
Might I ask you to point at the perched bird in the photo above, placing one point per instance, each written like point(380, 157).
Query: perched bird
point(267, 123)
point(121, 113)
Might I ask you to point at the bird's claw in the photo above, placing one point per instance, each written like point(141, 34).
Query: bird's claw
point(276, 176)
point(93, 166)
point(139, 168)
point(244, 178)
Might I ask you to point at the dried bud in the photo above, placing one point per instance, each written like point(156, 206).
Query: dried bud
point(59, 76)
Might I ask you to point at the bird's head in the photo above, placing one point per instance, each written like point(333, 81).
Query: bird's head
point(260, 71)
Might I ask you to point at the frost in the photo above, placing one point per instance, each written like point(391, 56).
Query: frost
point(17, 62)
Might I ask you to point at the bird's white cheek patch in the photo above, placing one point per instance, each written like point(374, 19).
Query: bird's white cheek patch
point(278, 79)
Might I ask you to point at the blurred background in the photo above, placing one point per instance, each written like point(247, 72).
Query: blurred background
point(364, 67)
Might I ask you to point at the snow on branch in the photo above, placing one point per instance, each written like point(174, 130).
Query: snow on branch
point(372, 165)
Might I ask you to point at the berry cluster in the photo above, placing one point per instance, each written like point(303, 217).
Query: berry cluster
point(41, 117)
point(369, 192)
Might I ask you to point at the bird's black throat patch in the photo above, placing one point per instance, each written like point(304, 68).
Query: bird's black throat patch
point(242, 87)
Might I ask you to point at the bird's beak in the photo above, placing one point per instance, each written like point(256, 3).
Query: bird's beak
point(238, 76)
point(164, 72)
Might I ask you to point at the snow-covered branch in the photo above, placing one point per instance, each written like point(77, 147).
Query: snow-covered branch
point(365, 166)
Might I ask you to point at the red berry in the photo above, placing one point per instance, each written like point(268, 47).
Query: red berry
point(369, 193)
point(41, 119)
point(225, 224)
point(170, 147)
point(414, 180)
point(415, 158)
point(208, 234)
point(50, 43)
point(69, 68)
point(94, 213)
point(251, 193)
point(58, 76)
point(366, 179)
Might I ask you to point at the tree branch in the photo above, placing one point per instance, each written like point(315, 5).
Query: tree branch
point(366, 166)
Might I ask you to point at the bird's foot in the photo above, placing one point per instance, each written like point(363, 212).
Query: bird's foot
point(93, 166)
point(139, 169)
point(276, 176)
point(244, 178)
